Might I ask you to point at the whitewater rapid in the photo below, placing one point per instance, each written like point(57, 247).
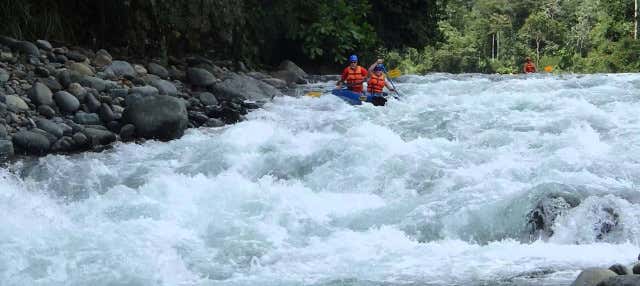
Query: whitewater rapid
point(434, 189)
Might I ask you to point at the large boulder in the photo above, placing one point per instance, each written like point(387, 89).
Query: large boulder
point(81, 68)
point(40, 94)
point(621, 280)
point(121, 68)
point(44, 44)
point(164, 87)
point(27, 48)
point(207, 98)
point(158, 70)
point(556, 199)
point(157, 117)
point(99, 137)
point(103, 58)
point(50, 126)
point(31, 142)
point(4, 76)
point(200, 77)
point(66, 101)
point(290, 73)
point(592, 276)
point(237, 86)
point(15, 103)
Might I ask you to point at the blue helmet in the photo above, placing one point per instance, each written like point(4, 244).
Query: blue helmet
point(353, 58)
point(379, 67)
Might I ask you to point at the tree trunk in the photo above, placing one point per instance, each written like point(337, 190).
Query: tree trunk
point(493, 50)
point(498, 46)
point(635, 17)
point(537, 51)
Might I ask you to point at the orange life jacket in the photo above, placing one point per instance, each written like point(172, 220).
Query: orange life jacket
point(529, 68)
point(375, 84)
point(355, 78)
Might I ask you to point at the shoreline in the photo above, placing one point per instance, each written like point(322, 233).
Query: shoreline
point(60, 100)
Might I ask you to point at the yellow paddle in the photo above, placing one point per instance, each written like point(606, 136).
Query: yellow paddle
point(394, 73)
point(314, 93)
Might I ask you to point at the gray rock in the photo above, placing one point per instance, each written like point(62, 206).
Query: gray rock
point(103, 58)
point(140, 70)
point(241, 87)
point(64, 78)
point(81, 69)
point(127, 132)
point(76, 56)
point(46, 111)
point(207, 98)
point(80, 139)
point(51, 83)
point(31, 142)
point(66, 129)
point(121, 68)
point(86, 118)
point(97, 83)
point(3, 132)
point(6, 149)
point(200, 77)
point(40, 94)
point(27, 48)
point(92, 103)
point(77, 90)
point(276, 82)
point(258, 75)
point(157, 117)
point(621, 280)
point(290, 73)
point(592, 276)
point(4, 75)
point(146, 90)
point(66, 101)
point(118, 92)
point(106, 114)
point(620, 269)
point(63, 144)
point(165, 87)
point(41, 72)
point(99, 137)
point(559, 199)
point(288, 65)
point(158, 70)
point(49, 126)
point(15, 103)
point(45, 45)
point(214, 122)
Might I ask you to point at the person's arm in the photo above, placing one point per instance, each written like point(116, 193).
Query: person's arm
point(379, 61)
point(524, 68)
point(535, 69)
point(389, 86)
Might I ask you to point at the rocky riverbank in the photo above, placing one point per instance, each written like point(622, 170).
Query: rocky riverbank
point(58, 99)
point(616, 275)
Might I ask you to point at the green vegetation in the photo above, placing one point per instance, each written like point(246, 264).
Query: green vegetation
point(583, 36)
point(417, 35)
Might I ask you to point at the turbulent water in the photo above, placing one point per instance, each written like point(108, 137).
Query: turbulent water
point(435, 189)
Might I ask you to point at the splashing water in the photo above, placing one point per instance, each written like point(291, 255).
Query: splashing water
point(435, 189)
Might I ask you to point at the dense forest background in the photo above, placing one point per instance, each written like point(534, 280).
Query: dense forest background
point(417, 35)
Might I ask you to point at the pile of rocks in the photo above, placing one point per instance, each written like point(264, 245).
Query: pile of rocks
point(60, 99)
point(616, 275)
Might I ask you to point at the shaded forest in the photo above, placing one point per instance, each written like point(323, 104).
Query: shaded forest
point(417, 35)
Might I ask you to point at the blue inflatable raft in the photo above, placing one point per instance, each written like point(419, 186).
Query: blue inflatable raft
point(355, 98)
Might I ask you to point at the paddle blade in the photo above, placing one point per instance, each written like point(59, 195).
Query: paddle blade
point(548, 68)
point(314, 93)
point(394, 73)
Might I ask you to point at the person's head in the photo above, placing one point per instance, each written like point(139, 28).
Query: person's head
point(378, 69)
point(353, 60)
point(527, 59)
